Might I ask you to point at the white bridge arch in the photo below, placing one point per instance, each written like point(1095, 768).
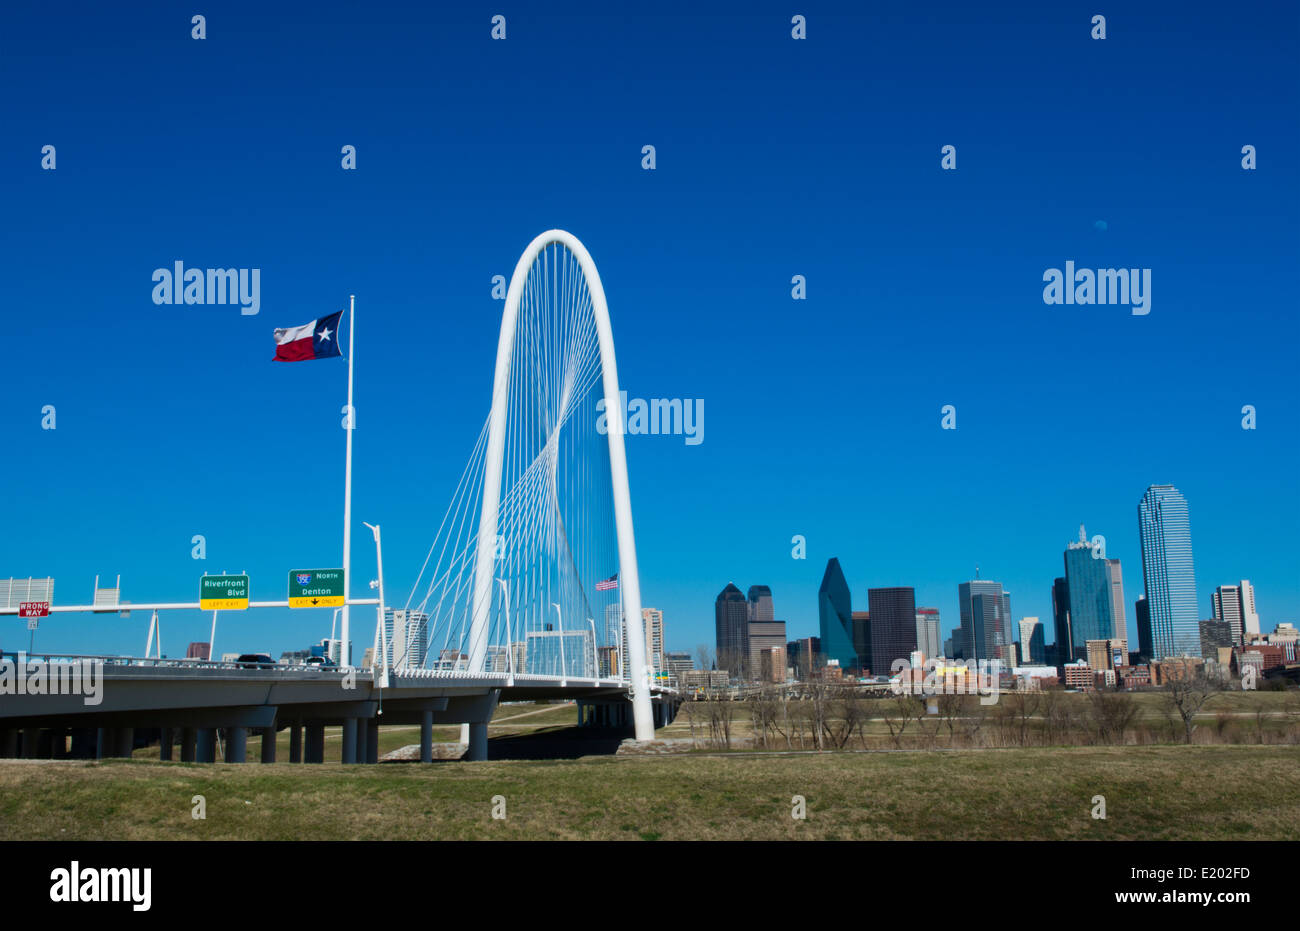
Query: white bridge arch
point(548, 480)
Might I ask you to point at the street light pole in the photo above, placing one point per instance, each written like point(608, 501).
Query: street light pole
point(379, 609)
point(559, 619)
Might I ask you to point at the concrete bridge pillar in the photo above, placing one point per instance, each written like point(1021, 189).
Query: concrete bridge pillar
point(237, 745)
point(349, 754)
point(268, 744)
point(165, 741)
point(58, 738)
point(478, 737)
point(372, 741)
point(315, 749)
point(295, 742)
point(205, 745)
point(8, 743)
point(189, 744)
point(31, 743)
point(426, 737)
point(125, 741)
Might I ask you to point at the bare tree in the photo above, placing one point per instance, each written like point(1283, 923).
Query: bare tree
point(950, 705)
point(972, 723)
point(720, 713)
point(898, 711)
point(1055, 714)
point(1187, 689)
point(819, 713)
point(1022, 705)
point(1111, 715)
point(847, 718)
point(1259, 708)
point(688, 706)
point(764, 713)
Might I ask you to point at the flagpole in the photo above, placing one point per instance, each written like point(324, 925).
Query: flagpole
point(345, 648)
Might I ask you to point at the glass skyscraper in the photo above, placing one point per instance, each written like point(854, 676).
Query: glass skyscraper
point(835, 616)
point(985, 621)
point(1168, 574)
point(1096, 595)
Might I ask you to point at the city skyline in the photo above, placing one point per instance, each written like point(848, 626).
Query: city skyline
point(1088, 603)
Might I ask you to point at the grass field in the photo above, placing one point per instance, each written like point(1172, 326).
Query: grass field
point(1156, 792)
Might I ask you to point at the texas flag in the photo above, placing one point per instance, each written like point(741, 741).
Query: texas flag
point(315, 340)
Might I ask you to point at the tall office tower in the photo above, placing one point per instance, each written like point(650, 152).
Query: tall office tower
point(1142, 616)
point(1168, 573)
point(835, 617)
point(760, 604)
point(765, 632)
point(1236, 605)
point(985, 620)
point(1117, 598)
point(1227, 608)
point(1092, 582)
point(1032, 650)
point(652, 622)
point(893, 627)
point(731, 625)
point(765, 635)
point(860, 622)
point(1249, 616)
point(406, 633)
point(1214, 634)
point(803, 655)
point(616, 636)
point(927, 632)
point(1063, 648)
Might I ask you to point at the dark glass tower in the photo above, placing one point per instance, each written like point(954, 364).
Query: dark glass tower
point(731, 621)
point(1061, 622)
point(893, 626)
point(1144, 626)
point(835, 617)
point(760, 604)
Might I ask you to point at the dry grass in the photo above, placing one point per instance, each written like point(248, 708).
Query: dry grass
point(1170, 792)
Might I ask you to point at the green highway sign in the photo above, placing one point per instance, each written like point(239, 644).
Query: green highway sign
point(223, 593)
point(316, 588)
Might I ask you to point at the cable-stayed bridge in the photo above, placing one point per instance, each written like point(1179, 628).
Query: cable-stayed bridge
point(529, 590)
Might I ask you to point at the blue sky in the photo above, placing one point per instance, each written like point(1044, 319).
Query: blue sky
point(774, 158)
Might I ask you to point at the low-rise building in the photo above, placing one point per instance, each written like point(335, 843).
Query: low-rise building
point(1078, 675)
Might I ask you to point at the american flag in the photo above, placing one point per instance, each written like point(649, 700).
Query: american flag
point(608, 584)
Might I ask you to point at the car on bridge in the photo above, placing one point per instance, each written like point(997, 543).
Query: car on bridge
point(254, 660)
